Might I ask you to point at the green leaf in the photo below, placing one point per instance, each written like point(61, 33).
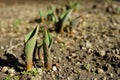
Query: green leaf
point(66, 16)
point(30, 42)
point(47, 37)
point(28, 36)
point(50, 10)
point(47, 41)
point(42, 14)
point(74, 5)
point(33, 72)
point(54, 18)
point(50, 39)
point(74, 22)
point(41, 43)
point(118, 9)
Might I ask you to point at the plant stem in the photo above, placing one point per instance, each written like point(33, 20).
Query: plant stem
point(47, 57)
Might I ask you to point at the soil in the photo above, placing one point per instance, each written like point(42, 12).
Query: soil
point(91, 52)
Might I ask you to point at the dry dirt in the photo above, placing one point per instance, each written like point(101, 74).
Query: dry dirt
point(92, 52)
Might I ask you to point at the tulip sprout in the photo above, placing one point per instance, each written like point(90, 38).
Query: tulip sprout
point(47, 41)
point(30, 43)
point(30, 47)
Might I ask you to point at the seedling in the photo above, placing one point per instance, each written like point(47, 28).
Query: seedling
point(65, 19)
point(73, 23)
point(73, 5)
point(30, 43)
point(40, 53)
point(43, 15)
point(47, 41)
point(48, 15)
point(33, 72)
point(9, 77)
point(61, 17)
point(51, 14)
point(118, 9)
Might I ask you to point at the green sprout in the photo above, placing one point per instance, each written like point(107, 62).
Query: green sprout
point(73, 5)
point(40, 53)
point(33, 72)
point(47, 41)
point(44, 50)
point(31, 47)
point(60, 17)
point(73, 23)
point(49, 14)
point(30, 43)
point(9, 77)
point(43, 15)
point(65, 19)
point(118, 9)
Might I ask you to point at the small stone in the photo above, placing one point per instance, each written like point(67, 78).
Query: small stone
point(77, 63)
point(100, 41)
point(84, 48)
point(11, 71)
point(117, 56)
point(2, 47)
point(88, 44)
point(99, 71)
point(61, 49)
point(59, 59)
point(104, 78)
point(55, 41)
point(4, 69)
point(54, 68)
point(95, 79)
point(117, 52)
point(35, 77)
point(73, 55)
point(102, 53)
point(111, 75)
point(40, 71)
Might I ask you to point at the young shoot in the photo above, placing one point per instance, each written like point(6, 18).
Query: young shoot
point(30, 43)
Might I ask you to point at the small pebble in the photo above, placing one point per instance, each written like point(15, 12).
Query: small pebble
point(88, 44)
point(111, 75)
point(4, 69)
point(102, 53)
point(104, 78)
point(117, 51)
point(11, 71)
point(100, 71)
point(55, 41)
point(73, 55)
point(77, 63)
point(54, 68)
point(40, 71)
point(2, 47)
point(84, 48)
point(95, 79)
point(117, 56)
point(35, 77)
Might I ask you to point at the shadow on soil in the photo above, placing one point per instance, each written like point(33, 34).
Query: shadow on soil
point(12, 62)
